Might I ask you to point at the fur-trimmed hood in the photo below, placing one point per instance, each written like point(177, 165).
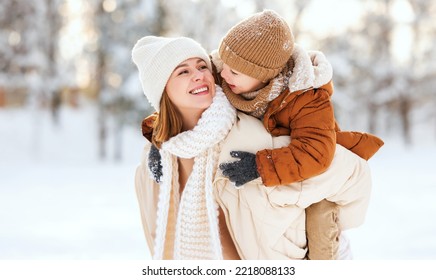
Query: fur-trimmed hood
point(311, 69)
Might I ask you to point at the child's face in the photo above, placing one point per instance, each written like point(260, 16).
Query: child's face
point(240, 83)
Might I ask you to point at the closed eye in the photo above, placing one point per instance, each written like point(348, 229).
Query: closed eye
point(182, 72)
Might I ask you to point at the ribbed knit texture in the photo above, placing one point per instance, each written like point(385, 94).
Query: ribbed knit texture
point(157, 57)
point(258, 46)
point(197, 232)
point(255, 103)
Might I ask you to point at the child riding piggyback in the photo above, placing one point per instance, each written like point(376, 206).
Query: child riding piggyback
point(265, 74)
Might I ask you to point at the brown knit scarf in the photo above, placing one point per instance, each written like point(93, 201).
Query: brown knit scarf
point(255, 103)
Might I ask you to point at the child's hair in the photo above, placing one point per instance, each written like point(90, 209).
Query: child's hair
point(259, 46)
point(168, 123)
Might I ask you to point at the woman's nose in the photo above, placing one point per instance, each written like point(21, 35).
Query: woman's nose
point(198, 75)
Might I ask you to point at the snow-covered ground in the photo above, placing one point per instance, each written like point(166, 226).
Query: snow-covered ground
point(58, 201)
point(401, 218)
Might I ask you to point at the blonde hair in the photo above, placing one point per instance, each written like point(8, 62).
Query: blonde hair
point(168, 122)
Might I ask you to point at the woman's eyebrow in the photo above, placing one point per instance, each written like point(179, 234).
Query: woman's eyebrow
point(185, 64)
point(180, 66)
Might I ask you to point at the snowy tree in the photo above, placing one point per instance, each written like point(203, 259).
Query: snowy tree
point(29, 58)
point(213, 19)
point(200, 20)
point(386, 83)
point(422, 68)
point(119, 24)
point(29, 39)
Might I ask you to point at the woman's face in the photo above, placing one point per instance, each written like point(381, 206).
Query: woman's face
point(240, 83)
point(191, 86)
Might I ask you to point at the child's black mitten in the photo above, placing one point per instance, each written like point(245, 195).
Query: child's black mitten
point(154, 163)
point(241, 171)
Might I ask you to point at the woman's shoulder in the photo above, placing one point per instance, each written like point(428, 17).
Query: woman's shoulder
point(247, 123)
point(144, 180)
point(247, 134)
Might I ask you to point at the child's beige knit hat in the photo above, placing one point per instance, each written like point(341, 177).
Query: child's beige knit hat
point(258, 46)
point(157, 57)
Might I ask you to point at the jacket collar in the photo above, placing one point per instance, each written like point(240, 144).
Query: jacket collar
point(311, 69)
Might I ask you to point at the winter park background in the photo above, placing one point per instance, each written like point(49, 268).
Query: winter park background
point(71, 106)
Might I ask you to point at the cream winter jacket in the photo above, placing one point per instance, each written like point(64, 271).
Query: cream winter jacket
point(269, 222)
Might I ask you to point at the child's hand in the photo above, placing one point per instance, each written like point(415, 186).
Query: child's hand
point(154, 163)
point(241, 171)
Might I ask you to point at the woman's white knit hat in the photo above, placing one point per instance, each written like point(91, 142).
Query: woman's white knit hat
point(157, 57)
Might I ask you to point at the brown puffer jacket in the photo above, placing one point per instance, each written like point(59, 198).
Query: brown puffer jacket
point(307, 116)
point(304, 111)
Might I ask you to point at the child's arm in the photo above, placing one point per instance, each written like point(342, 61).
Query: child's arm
point(362, 144)
point(313, 141)
point(312, 147)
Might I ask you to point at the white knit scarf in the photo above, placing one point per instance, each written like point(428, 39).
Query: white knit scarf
point(197, 231)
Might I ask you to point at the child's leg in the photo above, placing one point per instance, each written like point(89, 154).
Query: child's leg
point(322, 230)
